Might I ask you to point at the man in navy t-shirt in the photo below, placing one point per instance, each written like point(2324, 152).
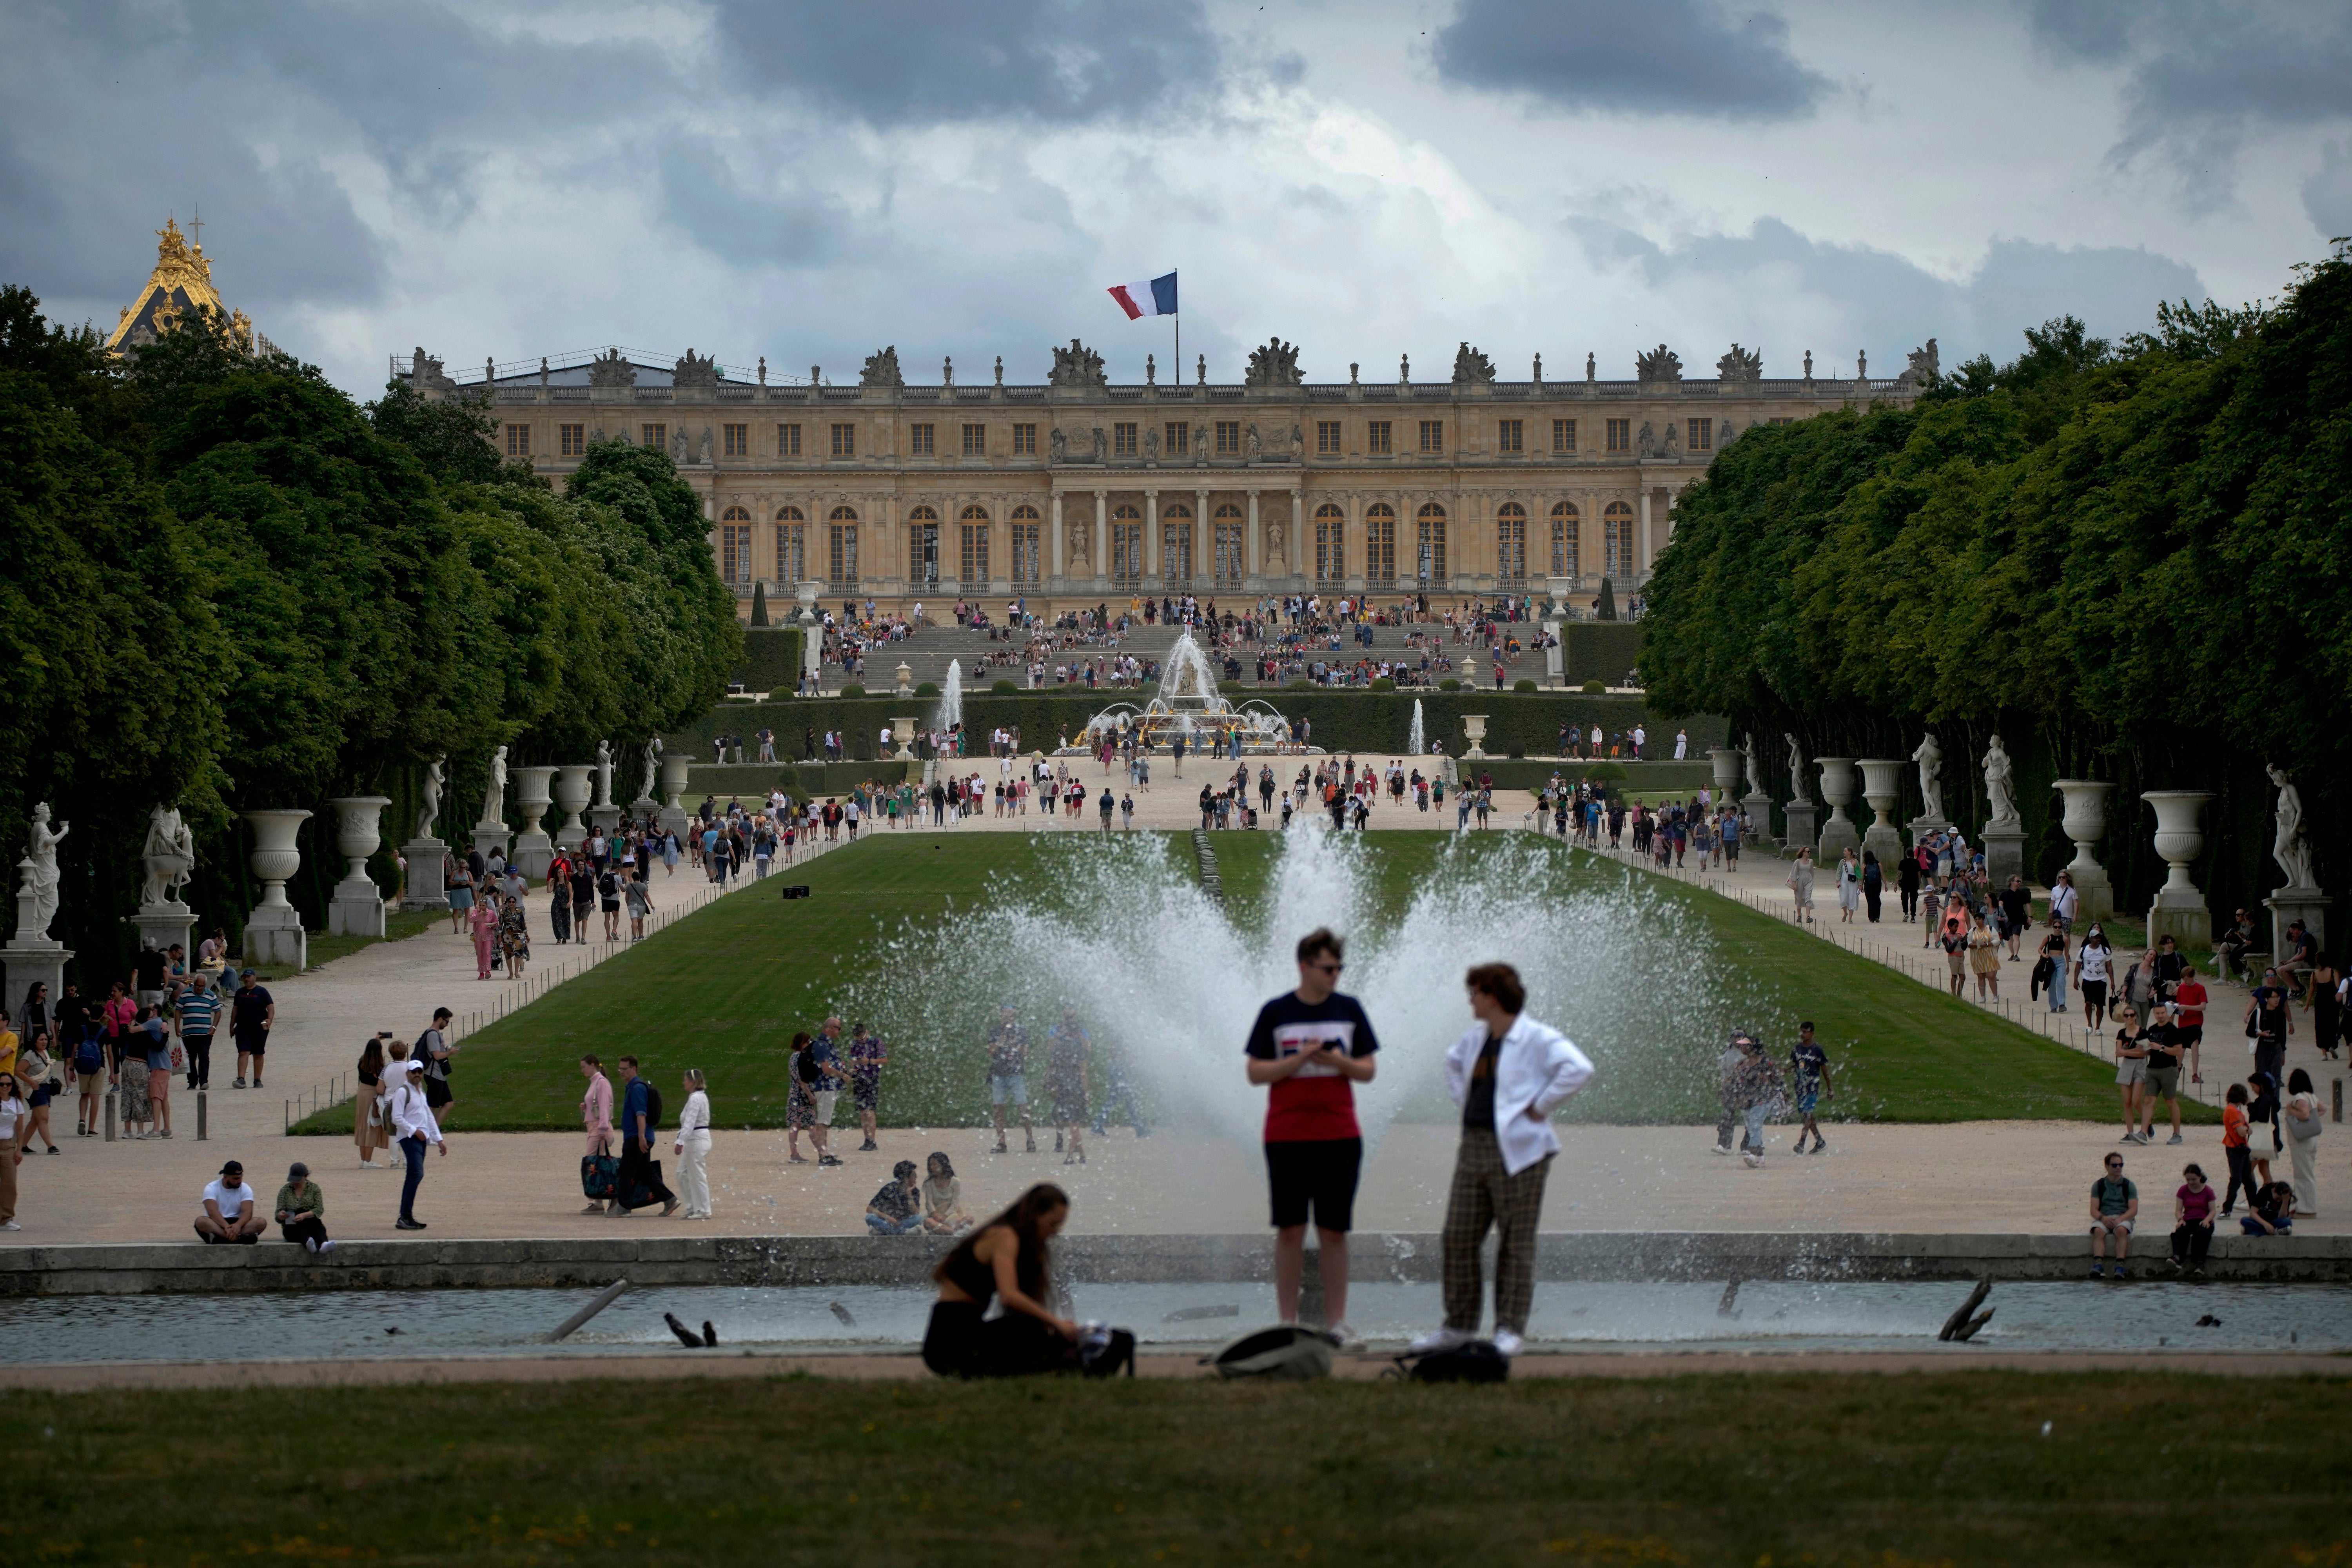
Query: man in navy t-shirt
point(1311, 1046)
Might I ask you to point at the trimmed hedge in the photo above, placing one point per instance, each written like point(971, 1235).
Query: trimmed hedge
point(772, 659)
point(1599, 650)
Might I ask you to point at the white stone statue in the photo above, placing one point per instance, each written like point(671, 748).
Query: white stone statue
point(2292, 847)
point(603, 773)
point(169, 855)
point(1753, 753)
point(1931, 758)
point(1276, 545)
point(494, 799)
point(2001, 785)
point(436, 774)
point(653, 769)
point(1799, 794)
point(41, 877)
point(1082, 542)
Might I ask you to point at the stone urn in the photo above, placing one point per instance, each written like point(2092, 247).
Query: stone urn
point(673, 776)
point(357, 907)
point(1474, 726)
point(533, 851)
point(2086, 822)
point(2179, 910)
point(273, 931)
point(905, 681)
point(902, 734)
point(573, 791)
point(1882, 787)
point(1727, 771)
point(1839, 833)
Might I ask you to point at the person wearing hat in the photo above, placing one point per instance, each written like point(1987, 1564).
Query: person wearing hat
point(412, 1129)
point(230, 1210)
point(302, 1210)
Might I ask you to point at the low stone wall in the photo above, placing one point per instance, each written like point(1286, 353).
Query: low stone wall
point(189, 1268)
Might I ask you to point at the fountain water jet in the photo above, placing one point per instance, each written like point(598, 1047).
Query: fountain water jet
point(1188, 704)
point(1416, 741)
point(951, 700)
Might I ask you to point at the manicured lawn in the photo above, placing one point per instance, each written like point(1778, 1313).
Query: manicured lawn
point(2157, 1469)
point(725, 989)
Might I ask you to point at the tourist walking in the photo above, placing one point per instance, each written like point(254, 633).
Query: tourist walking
point(2163, 1041)
point(1309, 1047)
point(867, 1055)
point(460, 890)
point(1984, 959)
point(1801, 885)
point(2131, 1067)
point(253, 1012)
point(1067, 1046)
point(2094, 966)
point(199, 1013)
point(483, 920)
point(692, 1145)
point(595, 1118)
point(800, 1100)
point(2050, 967)
point(2114, 1208)
point(2301, 1121)
point(1849, 887)
point(2268, 1024)
point(367, 1131)
point(301, 1210)
point(415, 1130)
point(640, 1120)
point(1008, 1063)
point(1809, 1074)
point(2237, 1128)
point(1007, 1260)
point(15, 1116)
point(1508, 1072)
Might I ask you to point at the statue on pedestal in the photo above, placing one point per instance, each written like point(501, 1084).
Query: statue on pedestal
point(1797, 789)
point(603, 773)
point(436, 774)
point(2000, 784)
point(169, 855)
point(1931, 758)
point(1754, 755)
point(1276, 547)
point(494, 799)
point(653, 769)
point(41, 877)
point(2292, 847)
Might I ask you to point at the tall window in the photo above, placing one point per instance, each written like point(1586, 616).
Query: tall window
point(1330, 546)
point(1511, 545)
point(1127, 546)
point(841, 549)
point(1564, 434)
point(1123, 439)
point(1617, 540)
point(1229, 438)
point(923, 549)
point(1025, 440)
point(735, 544)
point(973, 559)
point(975, 440)
point(736, 440)
point(1432, 434)
point(1429, 546)
point(845, 440)
point(792, 545)
point(1232, 543)
point(1782, 420)
point(653, 436)
point(1026, 536)
point(788, 440)
point(1176, 439)
point(518, 440)
point(1564, 522)
point(1176, 545)
point(1621, 435)
point(1326, 439)
point(1380, 545)
point(571, 440)
point(1376, 438)
point(1511, 436)
point(1702, 435)
point(920, 442)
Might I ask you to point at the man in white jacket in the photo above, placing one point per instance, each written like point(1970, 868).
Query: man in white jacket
point(1508, 1073)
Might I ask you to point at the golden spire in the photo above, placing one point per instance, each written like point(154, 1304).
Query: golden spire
point(182, 281)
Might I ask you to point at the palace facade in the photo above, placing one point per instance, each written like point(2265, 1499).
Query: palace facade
point(1084, 489)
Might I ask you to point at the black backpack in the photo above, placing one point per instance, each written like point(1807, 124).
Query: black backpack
point(652, 1111)
point(1476, 1361)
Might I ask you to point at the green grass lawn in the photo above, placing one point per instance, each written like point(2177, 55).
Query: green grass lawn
point(2157, 1469)
point(726, 987)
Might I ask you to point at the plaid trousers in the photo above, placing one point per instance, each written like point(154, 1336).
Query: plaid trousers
point(1484, 1195)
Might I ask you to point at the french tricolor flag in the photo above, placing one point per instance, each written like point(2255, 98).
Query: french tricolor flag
point(1157, 298)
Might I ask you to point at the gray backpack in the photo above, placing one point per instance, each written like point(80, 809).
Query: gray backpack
point(1287, 1352)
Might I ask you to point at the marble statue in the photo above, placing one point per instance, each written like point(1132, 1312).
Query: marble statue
point(653, 769)
point(1298, 441)
point(1152, 446)
point(1251, 446)
point(1059, 445)
point(603, 773)
point(436, 775)
point(1931, 758)
point(41, 877)
point(1082, 542)
point(1755, 756)
point(494, 799)
point(2000, 784)
point(1102, 446)
point(1797, 789)
point(2292, 847)
point(1276, 545)
point(169, 855)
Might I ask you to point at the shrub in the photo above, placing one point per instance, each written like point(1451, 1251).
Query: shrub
point(1004, 689)
point(853, 691)
point(1603, 772)
point(1596, 688)
point(1300, 685)
point(1523, 684)
point(759, 604)
point(1449, 684)
point(927, 689)
point(1383, 683)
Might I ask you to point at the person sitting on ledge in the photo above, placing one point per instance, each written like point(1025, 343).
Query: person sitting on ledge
point(1008, 1258)
point(898, 1208)
point(943, 1210)
point(2272, 1211)
point(301, 1210)
point(2114, 1208)
point(231, 1211)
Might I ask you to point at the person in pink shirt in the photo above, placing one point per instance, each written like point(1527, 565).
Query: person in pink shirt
point(2192, 1222)
point(485, 921)
point(596, 1115)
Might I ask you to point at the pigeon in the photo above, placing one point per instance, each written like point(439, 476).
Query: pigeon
point(686, 1336)
point(392, 1330)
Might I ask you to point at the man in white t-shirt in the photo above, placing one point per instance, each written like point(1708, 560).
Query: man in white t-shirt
point(1640, 739)
point(231, 1214)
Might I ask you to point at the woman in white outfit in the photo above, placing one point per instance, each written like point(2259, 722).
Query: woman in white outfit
point(2302, 1123)
point(1801, 883)
point(693, 1147)
point(1849, 885)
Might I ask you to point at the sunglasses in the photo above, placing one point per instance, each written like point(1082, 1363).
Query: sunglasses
point(1327, 968)
point(2115, 1164)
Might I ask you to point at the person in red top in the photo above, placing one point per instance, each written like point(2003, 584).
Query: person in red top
point(2188, 1016)
point(1311, 1046)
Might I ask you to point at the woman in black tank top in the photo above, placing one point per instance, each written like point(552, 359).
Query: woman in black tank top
point(1006, 1258)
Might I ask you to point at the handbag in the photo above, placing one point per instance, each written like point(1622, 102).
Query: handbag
point(2305, 1130)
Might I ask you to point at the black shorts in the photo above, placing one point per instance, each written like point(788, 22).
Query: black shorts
point(252, 1045)
point(2192, 1035)
point(2094, 994)
point(1320, 1176)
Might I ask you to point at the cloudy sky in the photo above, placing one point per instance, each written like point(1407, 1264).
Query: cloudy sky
point(807, 180)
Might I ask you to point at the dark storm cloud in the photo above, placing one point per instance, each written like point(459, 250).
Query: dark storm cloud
point(1669, 58)
point(2327, 194)
point(926, 62)
point(702, 198)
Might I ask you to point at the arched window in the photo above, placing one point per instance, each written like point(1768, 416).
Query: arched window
point(841, 549)
point(1564, 525)
point(1231, 560)
point(735, 545)
point(1127, 546)
point(1510, 545)
point(974, 558)
point(923, 550)
point(1429, 547)
point(1027, 534)
point(1330, 546)
point(1176, 545)
point(1380, 545)
point(792, 545)
point(1617, 541)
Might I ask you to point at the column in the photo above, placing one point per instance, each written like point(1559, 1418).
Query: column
point(1301, 548)
point(1102, 533)
point(1152, 541)
point(1642, 546)
point(1056, 556)
point(1589, 536)
point(1253, 555)
point(1205, 537)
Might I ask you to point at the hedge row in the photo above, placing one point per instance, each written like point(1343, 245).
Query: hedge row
point(771, 660)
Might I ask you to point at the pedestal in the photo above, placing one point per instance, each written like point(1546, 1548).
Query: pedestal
point(571, 794)
point(534, 851)
point(489, 836)
point(45, 962)
point(1839, 833)
point(428, 888)
point(273, 931)
point(1882, 787)
point(2004, 852)
point(1555, 654)
point(674, 775)
point(357, 907)
point(160, 926)
point(1759, 806)
point(2086, 822)
point(606, 820)
point(644, 809)
point(1804, 825)
point(2285, 905)
point(906, 686)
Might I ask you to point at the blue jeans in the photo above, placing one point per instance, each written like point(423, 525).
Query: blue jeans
point(880, 1226)
point(1120, 1101)
point(1755, 1138)
point(412, 1151)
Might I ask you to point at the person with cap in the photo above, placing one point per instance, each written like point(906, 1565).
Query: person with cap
point(252, 1012)
point(301, 1210)
point(230, 1210)
point(413, 1130)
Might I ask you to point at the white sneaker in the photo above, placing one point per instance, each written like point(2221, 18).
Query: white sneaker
point(1344, 1336)
point(1752, 1159)
point(1508, 1344)
point(1437, 1340)
point(309, 1244)
point(1720, 1148)
point(10, 1225)
point(326, 1247)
